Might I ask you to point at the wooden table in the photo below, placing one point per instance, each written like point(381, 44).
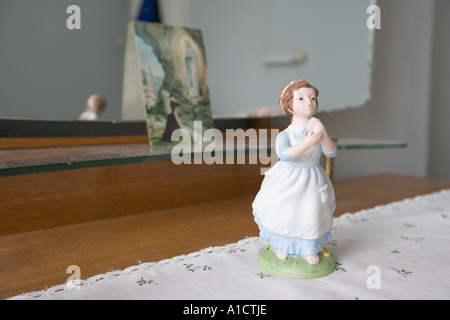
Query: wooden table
point(109, 218)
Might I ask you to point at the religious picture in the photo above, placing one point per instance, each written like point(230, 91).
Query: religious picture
point(174, 79)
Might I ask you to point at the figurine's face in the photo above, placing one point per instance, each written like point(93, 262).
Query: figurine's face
point(304, 103)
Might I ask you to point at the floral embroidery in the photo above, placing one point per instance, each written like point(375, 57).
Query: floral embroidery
point(190, 267)
point(439, 209)
point(142, 282)
point(402, 272)
point(236, 249)
point(266, 275)
point(416, 239)
point(339, 267)
point(395, 251)
point(356, 220)
point(409, 225)
point(332, 243)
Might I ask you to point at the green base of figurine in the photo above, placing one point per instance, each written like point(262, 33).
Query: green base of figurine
point(294, 266)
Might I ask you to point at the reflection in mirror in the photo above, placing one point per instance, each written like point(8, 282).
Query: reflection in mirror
point(52, 69)
point(253, 48)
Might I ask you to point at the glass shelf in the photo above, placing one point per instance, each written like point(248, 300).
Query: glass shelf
point(38, 160)
point(352, 143)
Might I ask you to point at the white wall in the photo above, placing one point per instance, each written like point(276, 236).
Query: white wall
point(401, 91)
point(439, 139)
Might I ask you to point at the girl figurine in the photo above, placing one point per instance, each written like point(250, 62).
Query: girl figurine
point(296, 201)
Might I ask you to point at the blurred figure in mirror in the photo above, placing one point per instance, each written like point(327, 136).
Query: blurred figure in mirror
point(95, 105)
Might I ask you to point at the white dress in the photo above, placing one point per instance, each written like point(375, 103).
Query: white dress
point(296, 201)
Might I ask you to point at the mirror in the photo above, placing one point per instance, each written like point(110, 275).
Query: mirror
point(48, 70)
point(253, 48)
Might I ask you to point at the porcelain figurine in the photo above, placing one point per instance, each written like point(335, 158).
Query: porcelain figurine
point(95, 104)
point(295, 204)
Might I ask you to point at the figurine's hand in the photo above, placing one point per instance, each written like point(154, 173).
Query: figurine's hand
point(328, 145)
point(317, 126)
point(313, 138)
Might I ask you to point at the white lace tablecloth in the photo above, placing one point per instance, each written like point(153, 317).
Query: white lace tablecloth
point(394, 251)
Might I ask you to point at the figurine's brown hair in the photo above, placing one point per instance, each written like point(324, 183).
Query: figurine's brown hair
point(287, 95)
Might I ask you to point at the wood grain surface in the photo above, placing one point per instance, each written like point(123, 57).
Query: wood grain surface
point(110, 218)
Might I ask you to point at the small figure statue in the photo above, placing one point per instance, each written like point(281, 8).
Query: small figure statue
point(95, 105)
point(172, 122)
point(296, 201)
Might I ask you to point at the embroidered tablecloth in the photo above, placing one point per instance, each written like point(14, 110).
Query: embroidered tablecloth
point(394, 251)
